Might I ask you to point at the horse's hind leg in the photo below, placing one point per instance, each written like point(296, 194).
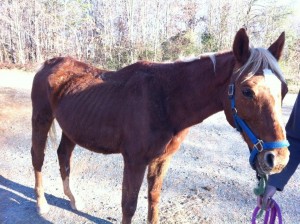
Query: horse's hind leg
point(41, 123)
point(64, 153)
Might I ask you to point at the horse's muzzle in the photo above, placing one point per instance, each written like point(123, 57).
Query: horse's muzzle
point(272, 161)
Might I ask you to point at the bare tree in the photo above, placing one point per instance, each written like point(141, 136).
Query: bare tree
point(116, 33)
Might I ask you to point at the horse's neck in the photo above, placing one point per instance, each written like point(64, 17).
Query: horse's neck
point(199, 90)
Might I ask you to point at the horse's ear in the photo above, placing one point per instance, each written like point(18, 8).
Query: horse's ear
point(241, 46)
point(277, 47)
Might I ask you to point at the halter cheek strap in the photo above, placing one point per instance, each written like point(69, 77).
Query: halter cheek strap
point(258, 144)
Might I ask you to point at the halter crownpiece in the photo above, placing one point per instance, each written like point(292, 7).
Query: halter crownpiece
point(258, 144)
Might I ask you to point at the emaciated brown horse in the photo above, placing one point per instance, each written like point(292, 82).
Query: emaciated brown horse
point(144, 110)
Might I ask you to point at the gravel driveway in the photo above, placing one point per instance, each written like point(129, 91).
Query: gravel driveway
point(209, 180)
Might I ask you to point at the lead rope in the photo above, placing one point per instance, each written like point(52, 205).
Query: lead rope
point(258, 212)
point(260, 190)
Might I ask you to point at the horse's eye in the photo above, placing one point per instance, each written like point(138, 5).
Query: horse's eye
point(248, 93)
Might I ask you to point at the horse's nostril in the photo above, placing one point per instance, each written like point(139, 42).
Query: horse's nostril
point(269, 159)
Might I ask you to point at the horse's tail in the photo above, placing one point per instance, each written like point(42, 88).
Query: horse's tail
point(52, 136)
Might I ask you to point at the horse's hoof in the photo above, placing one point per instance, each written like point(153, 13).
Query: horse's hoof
point(78, 205)
point(43, 209)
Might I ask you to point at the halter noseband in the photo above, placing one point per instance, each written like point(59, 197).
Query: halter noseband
point(241, 126)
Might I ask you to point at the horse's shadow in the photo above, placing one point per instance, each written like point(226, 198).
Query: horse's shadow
point(17, 205)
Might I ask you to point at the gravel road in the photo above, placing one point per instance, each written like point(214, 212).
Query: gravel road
point(209, 180)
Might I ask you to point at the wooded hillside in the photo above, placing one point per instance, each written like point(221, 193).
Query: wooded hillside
point(114, 33)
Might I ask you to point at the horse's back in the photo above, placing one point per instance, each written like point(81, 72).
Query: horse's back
point(55, 75)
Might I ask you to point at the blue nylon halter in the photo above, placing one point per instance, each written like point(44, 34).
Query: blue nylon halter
point(240, 125)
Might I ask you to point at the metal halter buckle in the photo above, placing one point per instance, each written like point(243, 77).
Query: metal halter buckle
point(231, 90)
point(259, 145)
point(234, 110)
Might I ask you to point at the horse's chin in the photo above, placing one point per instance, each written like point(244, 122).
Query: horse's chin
point(262, 169)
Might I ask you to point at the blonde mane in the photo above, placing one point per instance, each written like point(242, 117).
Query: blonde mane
point(261, 58)
point(211, 55)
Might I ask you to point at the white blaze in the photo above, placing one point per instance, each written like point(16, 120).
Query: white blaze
point(274, 85)
point(272, 82)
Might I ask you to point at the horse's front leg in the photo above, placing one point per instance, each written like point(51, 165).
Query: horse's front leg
point(64, 153)
point(132, 180)
point(156, 172)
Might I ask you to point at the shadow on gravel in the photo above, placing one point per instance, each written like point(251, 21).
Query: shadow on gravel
point(17, 205)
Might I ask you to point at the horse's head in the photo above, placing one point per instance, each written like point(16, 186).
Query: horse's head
point(256, 93)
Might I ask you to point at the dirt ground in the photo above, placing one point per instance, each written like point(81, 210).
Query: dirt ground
point(209, 180)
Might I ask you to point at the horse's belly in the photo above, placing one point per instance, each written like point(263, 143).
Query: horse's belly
point(96, 138)
point(99, 148)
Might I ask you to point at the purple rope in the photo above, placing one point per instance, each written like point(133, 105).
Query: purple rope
point(254, 214)
point(275, 212)
point(278, 212)
point(266, 219)
point(273, 215)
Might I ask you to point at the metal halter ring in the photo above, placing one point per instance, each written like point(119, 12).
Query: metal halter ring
point(231, 90)
point(234, 110)
point(259, 145)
